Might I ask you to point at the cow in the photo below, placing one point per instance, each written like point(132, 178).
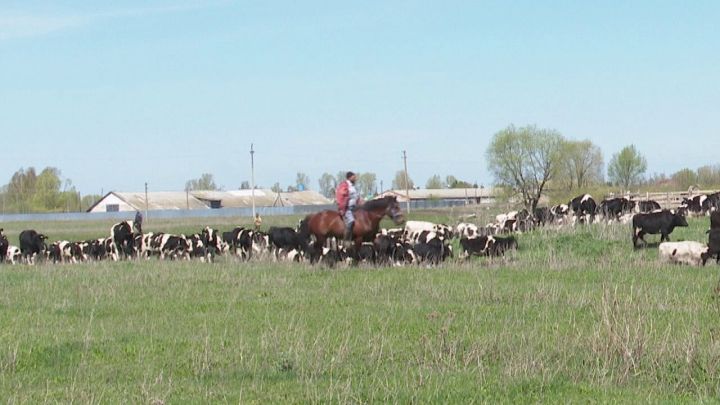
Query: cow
point(211, 241)
point(692, 253)
point(433, 251)
point(702, 204)
point(413, 230)
point(260, 243)
point(542, 216)
point(713, 246)
point(13, 255)
point(32, 245)
point(466, 230)
point(4, 245)
point(367, 253)
point(501, 245)
point(583, 207)
point(663, 222)
point(647, 206)
point(196, 248)
point(560, 213)
point(479, 246)
point(287, 239)
point(612, 209)
point(174, 246)
point(123, 239)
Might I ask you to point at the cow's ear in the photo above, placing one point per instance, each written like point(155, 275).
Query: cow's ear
point(674, 252)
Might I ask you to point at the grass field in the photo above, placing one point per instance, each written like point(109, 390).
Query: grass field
point(574, 316)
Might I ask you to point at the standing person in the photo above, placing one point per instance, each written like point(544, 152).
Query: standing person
point(347, 198)
point(258, 221)
point(137, 224)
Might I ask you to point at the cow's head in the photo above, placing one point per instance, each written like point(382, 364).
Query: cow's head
point(679, 219)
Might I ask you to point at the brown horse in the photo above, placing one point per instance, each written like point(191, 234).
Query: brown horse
point(325, 224)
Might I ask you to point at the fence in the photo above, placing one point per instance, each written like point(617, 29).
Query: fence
point(669, 199)
point(209, 213)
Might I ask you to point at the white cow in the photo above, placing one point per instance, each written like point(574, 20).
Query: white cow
point(682, 252)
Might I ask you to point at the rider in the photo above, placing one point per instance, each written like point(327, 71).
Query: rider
point(348, 198)
point(137, 224)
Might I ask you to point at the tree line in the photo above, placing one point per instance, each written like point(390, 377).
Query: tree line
point(29, 191)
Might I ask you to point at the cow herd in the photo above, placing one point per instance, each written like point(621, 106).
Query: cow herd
point(418, 242)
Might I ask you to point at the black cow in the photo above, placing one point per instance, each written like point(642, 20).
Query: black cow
point(614, 208)
point(367, 253)
point(123, 240)
point(286, 238)
point(32, 244)
point(502, 245)
point(647, 206)
point(583, 206)
point(713, 246)
point(479, 246)
point(542, 216)
point(4, 244)
point(663, 222)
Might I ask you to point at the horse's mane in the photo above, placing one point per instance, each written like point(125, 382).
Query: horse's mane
point(378, 203)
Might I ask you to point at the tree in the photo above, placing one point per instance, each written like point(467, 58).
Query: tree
point(525, 160)
point(302, 181)
point(205, 182)
point(708, 176)
point(276, 188)
point(435, 182)
point(684, 178)
point(366, 184)
point(245, 185)
point(327, 183)
point(582, 163)
point(398, 182)
point(627, 167)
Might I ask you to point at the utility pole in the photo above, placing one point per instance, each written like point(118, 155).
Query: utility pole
point(252, 178)
point(146, 202)
point(407, 183)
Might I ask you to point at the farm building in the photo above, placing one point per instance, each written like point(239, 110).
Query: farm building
point(194, 200)
point(467, 195)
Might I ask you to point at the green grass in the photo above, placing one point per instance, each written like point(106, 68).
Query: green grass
point(575, 316)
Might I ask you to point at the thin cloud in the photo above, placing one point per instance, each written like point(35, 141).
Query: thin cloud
point(28, 24)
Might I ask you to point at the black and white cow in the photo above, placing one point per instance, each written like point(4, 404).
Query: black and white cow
point(560, 214)
point(123, 239)
point(32, 245)
point(663, 223)
point(434, 251)
point(413, 230)
point(174, 247)
point(211, 241)
point(584, 208)
point(13, 255)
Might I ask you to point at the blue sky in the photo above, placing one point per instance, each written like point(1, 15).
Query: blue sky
point(119, 93)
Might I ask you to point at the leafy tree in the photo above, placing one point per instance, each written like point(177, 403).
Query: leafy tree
point(366, 183)
point(205, 182)
point(302, 181)
point(276, 188)
point(245, 185)
point(525, 160)
point(327, 183)
point(627, 167)
point(435, 182)
point(708, 176)
point(398, 182)
point(685, 178)
point(582, 163)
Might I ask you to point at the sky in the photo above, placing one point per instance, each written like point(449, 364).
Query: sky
point(116, 94)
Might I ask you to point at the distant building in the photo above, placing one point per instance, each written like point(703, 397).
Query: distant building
point(197, 200)
point(467, 195)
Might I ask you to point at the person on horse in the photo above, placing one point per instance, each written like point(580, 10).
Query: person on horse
point(348, 197)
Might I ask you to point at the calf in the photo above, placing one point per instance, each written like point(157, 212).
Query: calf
point(13, 255)
point(663, 222)
point(692, 253)
point(32, 245)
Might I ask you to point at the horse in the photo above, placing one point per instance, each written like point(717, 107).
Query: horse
point(328, 223)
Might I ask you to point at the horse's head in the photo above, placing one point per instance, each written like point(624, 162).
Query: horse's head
point(393, 210)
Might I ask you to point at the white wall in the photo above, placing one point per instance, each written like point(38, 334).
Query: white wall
point(109, 200)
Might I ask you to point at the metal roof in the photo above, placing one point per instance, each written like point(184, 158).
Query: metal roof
point(160, 200)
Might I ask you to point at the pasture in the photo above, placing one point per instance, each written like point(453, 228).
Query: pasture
point(575, 314)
